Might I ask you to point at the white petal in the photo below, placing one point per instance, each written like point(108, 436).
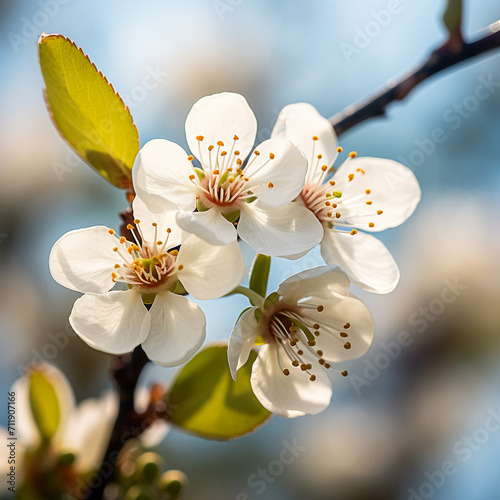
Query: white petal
point(209, 272)
point(288, 396)
point(89, 429)
point(299, 123)
point(115, 322)
point(177, 330)
point(164, 216)
point(279, 231)
point(393, 187)
point(287, 172)
point(26, 429)
point(363, 257)
point(83, 260)
point(162, 169)
point(220, 117)
point(210, 226)
point(242, 339)
point(320, 282)
point(338, 312)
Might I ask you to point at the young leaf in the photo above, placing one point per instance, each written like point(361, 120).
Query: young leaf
point(452, 16)
point(86, 110)
point(205, 401)
point(259, 274)
point(44, 405)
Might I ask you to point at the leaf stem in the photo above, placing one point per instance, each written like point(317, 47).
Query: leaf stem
point(254, 298)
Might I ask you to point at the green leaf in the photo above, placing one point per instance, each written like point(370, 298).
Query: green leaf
point(205, 401)
point(452, 16)
point(259, 274)
point(86, 110)
point(44, 405)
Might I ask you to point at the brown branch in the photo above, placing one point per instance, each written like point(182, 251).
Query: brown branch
point(447, 56)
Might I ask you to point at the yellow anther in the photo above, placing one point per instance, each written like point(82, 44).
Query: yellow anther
point(332, 183)
point(130, 226)
point(295, 362)
point(321, 361)
point(154, 224)
point(303, 367)
point(368, 191)
point(347, 325)
point(320, 308)
point(192, 177)
point(180, 267)
point(312, 378)
point(327, 365)
point(174, 253)
point(117, 266)
point(371, 224)
point(334, 205)
point(169, 230)
point(343, 335)
point(220, 143)
point(224, 153)
point(347, 345)
point(246, 179)
point(353, 232)
point(110, 231)
point(327, 203)
point(316, 326)
point(190, 158)
point(199, 138)
point(380, 212)
point(339, 150)
point(286, 372)
point(320, 352)
point(319, 156)
point(236, 153)
point(360, 170)
point(123, 239)
point(159, 243)
point(311, 343)
point(271, 155)
point(329, 214)
point(345, 373)
point(353, 154)
point(270, 185)
point(337, 214)
point(230, 180)
point(256, 153)
point(239, 162)
point(210, 148)
point(114, 276)
point(216, 172)
point(369, 202)
point(350, 177)
point(300, 352)
point(115, 249)
point(324, 168)
point(235, 137)
point(315, 138)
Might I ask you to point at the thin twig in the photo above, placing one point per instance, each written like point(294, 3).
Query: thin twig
point(445, 57)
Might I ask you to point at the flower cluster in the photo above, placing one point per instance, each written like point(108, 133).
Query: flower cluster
point(283, 198)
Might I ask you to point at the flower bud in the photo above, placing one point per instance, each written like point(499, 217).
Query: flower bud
point(148, 467)
point(173, 482)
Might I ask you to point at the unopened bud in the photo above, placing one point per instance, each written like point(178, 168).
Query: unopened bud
point(148, 467)
point(173, 482)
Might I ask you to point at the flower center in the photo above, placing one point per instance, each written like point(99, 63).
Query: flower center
point(297, 335)
point(144, 264)
point(331, 207)
point(222, 182)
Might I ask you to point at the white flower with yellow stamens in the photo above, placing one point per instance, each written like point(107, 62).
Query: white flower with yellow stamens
point(221, 131)
point(310, 321)
point(92, 260)
point(371, 194)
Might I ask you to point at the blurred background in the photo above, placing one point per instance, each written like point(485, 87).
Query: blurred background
point(423, 394)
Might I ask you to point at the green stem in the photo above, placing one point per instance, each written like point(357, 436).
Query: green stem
point(254, 298)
